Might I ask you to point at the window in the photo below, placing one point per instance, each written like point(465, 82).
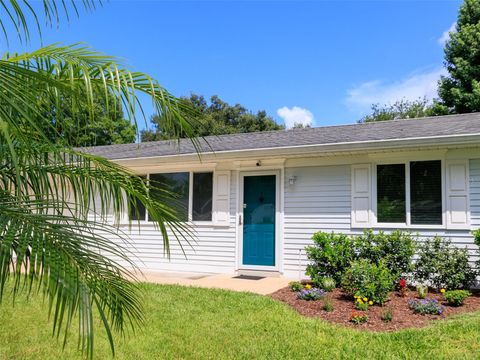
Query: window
point(426, 192)
point(391, 205)
point(137, 213)
point(137, 209)
point(178, 186)
point(202, 196)
point(172, 184)
point(424, 180)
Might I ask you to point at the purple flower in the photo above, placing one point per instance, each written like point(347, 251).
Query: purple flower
point(426, 306)
point(311, 294)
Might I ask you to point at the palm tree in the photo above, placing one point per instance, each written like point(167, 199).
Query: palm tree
point(59, 206)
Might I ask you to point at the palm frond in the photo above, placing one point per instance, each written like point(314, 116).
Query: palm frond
point(72, 261)
point(60, 207)
point(49, 192)
point(78, 70)
point(57, 223)
point(21, 16)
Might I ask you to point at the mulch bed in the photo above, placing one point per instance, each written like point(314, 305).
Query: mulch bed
point(403, 317)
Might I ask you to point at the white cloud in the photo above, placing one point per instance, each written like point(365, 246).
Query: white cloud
point(295, 115)
point(414, 86)
point(446, 34)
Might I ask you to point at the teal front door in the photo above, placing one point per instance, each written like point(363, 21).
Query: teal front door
point(259, 195)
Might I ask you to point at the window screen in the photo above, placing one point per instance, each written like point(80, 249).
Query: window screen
point(426, 192)
point(202, 196)
point(391, 206)
point(178, 185)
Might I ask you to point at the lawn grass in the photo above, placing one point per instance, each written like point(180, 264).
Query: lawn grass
point(193, 323)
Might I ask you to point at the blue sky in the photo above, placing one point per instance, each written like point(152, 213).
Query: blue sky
point(323, 60)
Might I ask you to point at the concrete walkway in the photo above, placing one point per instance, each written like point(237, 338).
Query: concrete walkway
point(264, 286)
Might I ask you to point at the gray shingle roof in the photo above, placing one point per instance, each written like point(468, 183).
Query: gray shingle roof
point(440, 126)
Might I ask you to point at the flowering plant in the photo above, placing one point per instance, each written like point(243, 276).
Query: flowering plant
point(402, 284)
point(358, 317)
point(426, 306)
point(362, 303)
point(311, 294)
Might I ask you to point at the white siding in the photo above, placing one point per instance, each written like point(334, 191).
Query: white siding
point(212, 251)
point(320, 200)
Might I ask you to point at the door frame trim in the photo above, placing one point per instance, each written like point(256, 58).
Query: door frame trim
point(278, 219)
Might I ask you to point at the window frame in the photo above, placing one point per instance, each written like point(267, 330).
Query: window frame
point(408, 224)
point(190, 197)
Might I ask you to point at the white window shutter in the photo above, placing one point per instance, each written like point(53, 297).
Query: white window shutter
point(457, 192)
point(222, 198)
point(361, 195)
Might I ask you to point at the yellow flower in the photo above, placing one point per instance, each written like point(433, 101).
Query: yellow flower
point(370, 302)
point(308, 286)
point(365, 299)
point(442, 290)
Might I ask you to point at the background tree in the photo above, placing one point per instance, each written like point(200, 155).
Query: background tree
point(301, 126)
point(460, 91)
point(214, 118)
point(404, 109)
point(71, 123)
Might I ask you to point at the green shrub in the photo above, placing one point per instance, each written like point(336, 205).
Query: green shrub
point(328, 284)
point(372, 281)
point(330, 256)
point(387, 315)
point(295, 286)
point(395, 249)
point(328, 304)
point(476, 238)
point(456, 297)
point(332, 253)
point(443, 266)
point(422, 291)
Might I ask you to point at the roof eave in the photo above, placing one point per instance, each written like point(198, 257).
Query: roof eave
point(360, 146)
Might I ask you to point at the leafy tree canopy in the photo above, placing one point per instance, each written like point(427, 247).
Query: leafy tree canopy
point(78, 122)
point(214, 118)
point(460, 91)
point(404, 109)
point(301, 126)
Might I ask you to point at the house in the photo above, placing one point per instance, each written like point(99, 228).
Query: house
point(255, 199)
